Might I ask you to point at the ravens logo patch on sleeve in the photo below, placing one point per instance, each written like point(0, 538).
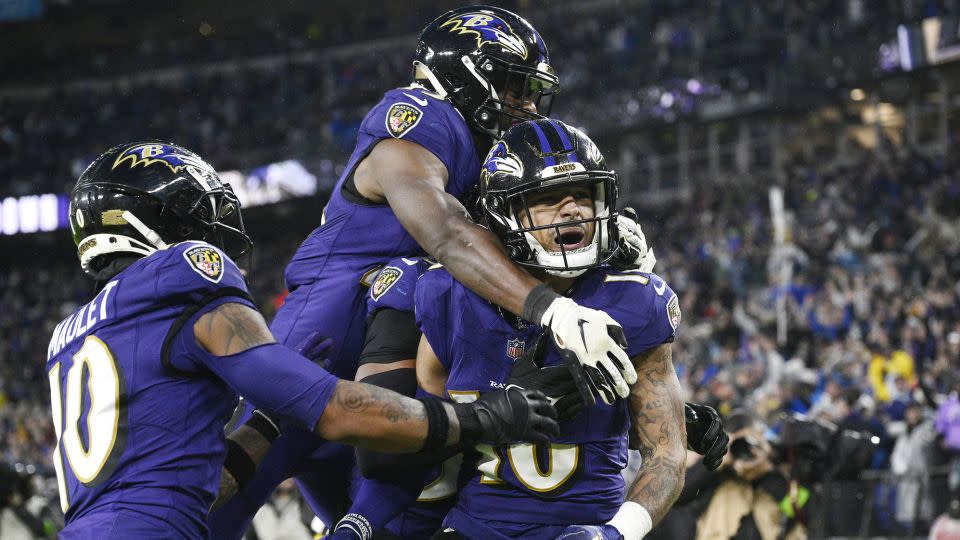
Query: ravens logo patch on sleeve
point(205, 261)
point(673, 312)
point(385, 279)
point(401, 118)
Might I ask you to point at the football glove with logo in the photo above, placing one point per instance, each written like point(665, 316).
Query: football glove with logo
point(595, 341)
point(556, 382)
point(705, 434)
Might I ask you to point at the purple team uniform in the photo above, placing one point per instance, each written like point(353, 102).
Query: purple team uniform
point(139, 407)
point(328, 279)
point(525, 491)
point(420, 520)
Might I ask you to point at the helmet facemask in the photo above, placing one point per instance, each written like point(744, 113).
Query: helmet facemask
point(520, 233)
point(508, 88)
point(217, 213)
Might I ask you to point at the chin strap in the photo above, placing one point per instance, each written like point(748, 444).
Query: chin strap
point(98, 245)
point(423, 72)
point(147, 232)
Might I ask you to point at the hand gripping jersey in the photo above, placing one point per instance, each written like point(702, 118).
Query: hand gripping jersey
point(139, 422)
point(522, 490)
point(328, 279)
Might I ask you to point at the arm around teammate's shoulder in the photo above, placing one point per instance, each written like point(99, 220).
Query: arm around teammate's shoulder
point(412, 180)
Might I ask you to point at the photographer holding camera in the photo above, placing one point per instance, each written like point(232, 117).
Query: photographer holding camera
point(747, 498)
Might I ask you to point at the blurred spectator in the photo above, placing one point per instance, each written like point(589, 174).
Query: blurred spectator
point(910, 462)
point(17, 521)
point(283, 517)
point(948, 426)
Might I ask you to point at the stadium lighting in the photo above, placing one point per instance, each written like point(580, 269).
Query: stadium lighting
point(857, 94)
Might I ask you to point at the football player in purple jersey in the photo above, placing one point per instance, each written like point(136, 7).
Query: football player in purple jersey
point(549, 197)
point(479, 345)
point(477, 71)
point(145, 375)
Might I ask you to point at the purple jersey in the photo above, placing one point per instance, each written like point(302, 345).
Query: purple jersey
point(327, 276)
point(576, 480)
point(139, 407)
point(396, 283)
point(394, 288)
point(134, 435)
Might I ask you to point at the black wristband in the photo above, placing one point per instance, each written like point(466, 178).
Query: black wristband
point(438, 425)
point(238, 463)
point(470, 429)
point(264, 425)
point(537, 302)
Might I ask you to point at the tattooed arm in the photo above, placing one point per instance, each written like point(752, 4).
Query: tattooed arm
point(256, 446)
point(659, 428)
point(241, 351)
point(354, 413)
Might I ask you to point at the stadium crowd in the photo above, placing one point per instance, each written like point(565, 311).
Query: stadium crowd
point(657, 61)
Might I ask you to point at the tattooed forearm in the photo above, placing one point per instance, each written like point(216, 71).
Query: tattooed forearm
point(255, 446)
point(375, 418)
point(659, 428)
point(230, 329)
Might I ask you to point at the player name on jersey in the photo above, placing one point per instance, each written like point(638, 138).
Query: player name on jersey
point(81, 321)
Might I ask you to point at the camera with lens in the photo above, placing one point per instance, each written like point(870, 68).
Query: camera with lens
point(816, 450)
point(744, 448)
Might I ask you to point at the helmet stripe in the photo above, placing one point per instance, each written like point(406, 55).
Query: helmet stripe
point(572, 156)
point(544, 145)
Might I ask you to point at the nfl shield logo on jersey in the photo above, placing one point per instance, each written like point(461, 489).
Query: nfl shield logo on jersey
point(515, 348)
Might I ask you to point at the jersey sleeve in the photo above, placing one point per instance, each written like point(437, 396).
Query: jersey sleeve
point(433, 305)
point(395, 285)
point(196, 270)
point(647, 308)
point(201, 278)
point(412, 115)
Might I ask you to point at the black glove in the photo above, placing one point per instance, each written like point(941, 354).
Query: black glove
point(705, 434)
point(507, 416)
point(556, 382)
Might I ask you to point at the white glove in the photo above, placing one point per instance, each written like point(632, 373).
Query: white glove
point(596, 341)
point(634, 253)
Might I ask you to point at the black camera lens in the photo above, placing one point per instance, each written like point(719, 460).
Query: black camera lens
point(743, 448)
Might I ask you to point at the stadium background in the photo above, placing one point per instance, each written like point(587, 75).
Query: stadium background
point(848, 107)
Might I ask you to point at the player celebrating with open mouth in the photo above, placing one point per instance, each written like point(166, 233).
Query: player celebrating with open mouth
point(547, 194)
